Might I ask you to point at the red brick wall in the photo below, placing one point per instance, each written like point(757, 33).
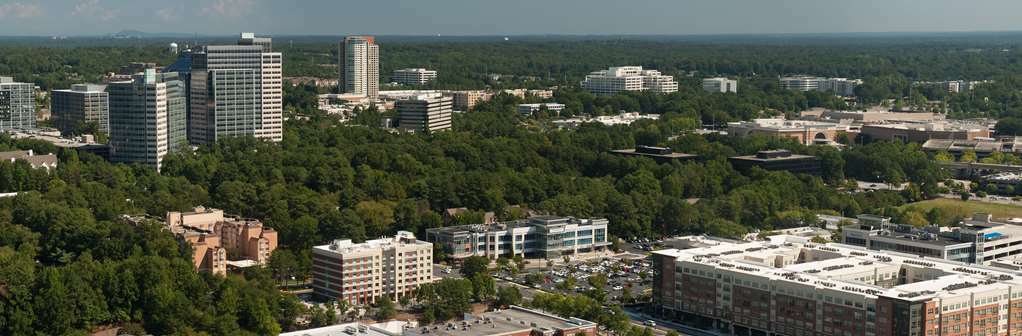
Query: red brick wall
point(843, 320)
point(751, 307)
point(699, 295)
point(801, 311)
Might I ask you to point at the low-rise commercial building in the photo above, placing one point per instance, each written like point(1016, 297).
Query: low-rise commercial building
point(778, 160)
point(660, 154)
point(720, 84)
point(547, 237)
point(80, 105)
point(360, 273)
point(626, 118)
point(871, 116)
point(982, 147)
point(530, 109)
point(513, 321)
point(628, 78)
point(803, 131)
point(217, 239)
point(466, 100)
point(425, 113)
point(789, 286)
point(923, 131)
point(83, 144)
point(417, 76)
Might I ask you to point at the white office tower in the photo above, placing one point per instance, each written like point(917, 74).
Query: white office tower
point(17, 104)
point(147, 118)
point(628, 78)
point(425, 113)
point(720, 84)
point(413, 76)
point(359, 61)
point(236, 91)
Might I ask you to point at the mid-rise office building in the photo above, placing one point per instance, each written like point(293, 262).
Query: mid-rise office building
point(413, 76)
point(975, 240)
point(789, 286)
point(252, 39)
point(218, 241)
point(425, 113)
point(720, 84)
point(628, 78)
point(80, 105)
point(17, 105)
point(236, 91)
point(147, 118)
point(359, 61)
point(547, 237)
point(839, 86)
point(361, 273)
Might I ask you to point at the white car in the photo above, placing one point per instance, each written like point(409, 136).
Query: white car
point(650, 323)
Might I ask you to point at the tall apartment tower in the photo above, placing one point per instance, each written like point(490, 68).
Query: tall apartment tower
point(17, 104)
point(425, 113)
point(147, 118)
point(359, 60)
point(236, 91)
point(79, 105)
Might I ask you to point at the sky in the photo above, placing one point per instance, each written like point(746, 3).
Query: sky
point(504, 17)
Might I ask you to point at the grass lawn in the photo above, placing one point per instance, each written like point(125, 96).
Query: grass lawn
point(966, 209)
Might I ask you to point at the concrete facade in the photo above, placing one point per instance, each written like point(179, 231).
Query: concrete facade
point(413, 76)
point(425, 113)
point(805, 132)
point(720, 84)
point(147, 118)
point(628, 78)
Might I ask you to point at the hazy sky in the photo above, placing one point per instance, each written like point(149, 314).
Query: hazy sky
point(504, 17)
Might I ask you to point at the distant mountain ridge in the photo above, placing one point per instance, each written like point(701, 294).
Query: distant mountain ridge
point(129, 33)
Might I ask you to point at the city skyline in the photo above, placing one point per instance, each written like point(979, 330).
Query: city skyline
point(488, 17)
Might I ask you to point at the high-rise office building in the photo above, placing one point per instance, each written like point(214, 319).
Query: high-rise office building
point(413, 76)
point(147, 118)
point(236, 91)
point(359, 60)
point(17, 104)
point(80, 105)
point(425, 113)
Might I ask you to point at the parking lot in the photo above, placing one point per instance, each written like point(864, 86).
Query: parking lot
point(623, 275)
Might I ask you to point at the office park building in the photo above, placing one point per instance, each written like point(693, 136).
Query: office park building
point(17, 104)
point(80, 105)
point(147, 118)
point(547, 237)
point(789, 286)
point(628, 78)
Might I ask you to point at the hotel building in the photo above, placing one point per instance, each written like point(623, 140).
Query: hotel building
point(361, 273)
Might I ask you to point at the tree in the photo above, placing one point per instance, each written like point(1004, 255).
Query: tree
point(483, 287)
point(599, 283)
point(405, 300)
point(965, 195)
point(568, 283)
point(474, 265)
point(968, 156)
point(385, 309)
point(626, 295)
point(508, 296)
point(445, 299)
point(818, 240)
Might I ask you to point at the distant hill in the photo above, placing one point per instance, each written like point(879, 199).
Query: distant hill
point(128, 33)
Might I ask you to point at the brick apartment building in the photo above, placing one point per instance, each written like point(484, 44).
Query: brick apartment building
point(360, 273)
point(217, 239)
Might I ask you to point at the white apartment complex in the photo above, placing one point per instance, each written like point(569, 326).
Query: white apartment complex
point(720, 84)
point(360, 273)
point(417, 76)
point(425, 113)
point(628, 78)
point(359, 61)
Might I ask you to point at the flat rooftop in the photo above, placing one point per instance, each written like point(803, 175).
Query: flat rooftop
point(664, 156)
point(824, 266)
point(501, 322)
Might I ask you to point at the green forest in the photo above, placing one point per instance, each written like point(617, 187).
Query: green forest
point(69, 263)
